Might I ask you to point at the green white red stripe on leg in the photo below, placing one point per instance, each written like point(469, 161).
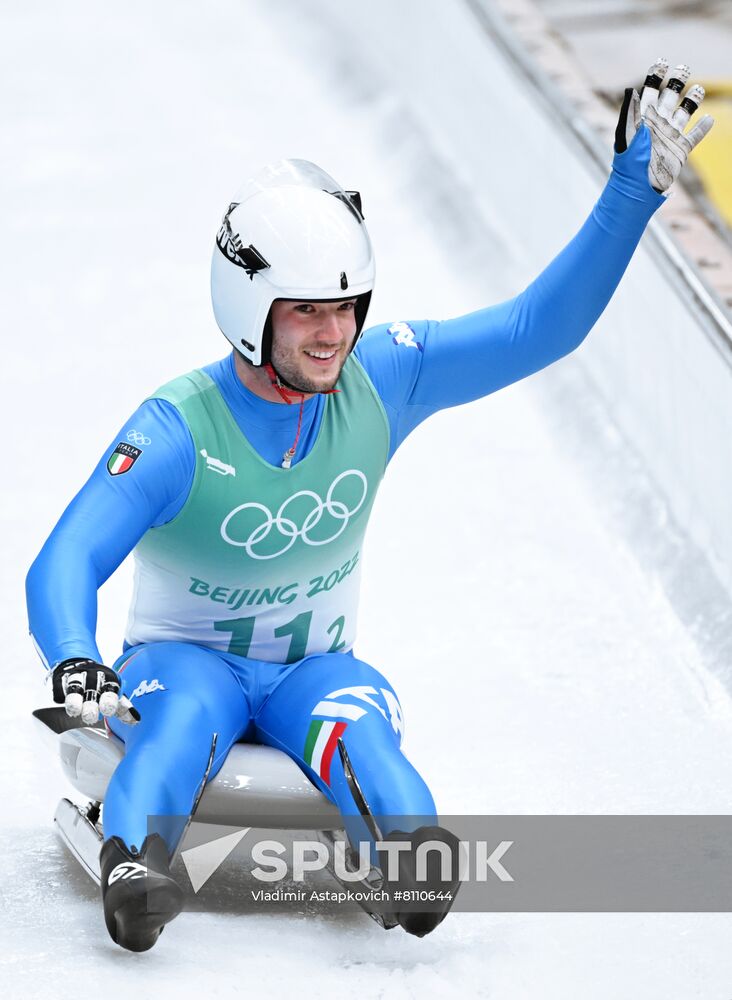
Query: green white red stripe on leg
point(320, 745)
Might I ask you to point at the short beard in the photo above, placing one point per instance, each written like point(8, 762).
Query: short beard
point(285, 364)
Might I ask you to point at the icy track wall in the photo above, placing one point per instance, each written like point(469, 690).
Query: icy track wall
point(660, 356)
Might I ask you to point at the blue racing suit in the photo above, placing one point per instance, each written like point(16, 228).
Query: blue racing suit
point(416, 368)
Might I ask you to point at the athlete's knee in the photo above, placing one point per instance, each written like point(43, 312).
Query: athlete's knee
point(165, 750)
point(402, 792)
point(392, 786)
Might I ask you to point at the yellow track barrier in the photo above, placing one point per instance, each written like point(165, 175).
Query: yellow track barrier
point(712, 160)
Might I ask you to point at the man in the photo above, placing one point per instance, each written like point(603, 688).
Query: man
point(244, 489)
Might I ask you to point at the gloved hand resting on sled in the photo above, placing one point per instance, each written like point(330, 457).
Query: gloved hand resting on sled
point(87, 688)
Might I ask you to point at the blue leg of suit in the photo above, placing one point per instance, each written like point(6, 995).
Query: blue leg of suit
point(168, 750)
point(187, 693)
point(335, 690)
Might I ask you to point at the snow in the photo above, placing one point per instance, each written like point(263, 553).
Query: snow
point(540, 662)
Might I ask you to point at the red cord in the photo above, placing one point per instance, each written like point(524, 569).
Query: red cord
point(286, 394)
point(290, 453)
point(276, 384)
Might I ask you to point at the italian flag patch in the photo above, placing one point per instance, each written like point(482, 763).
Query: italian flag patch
point(320, 745)
point(122, 458)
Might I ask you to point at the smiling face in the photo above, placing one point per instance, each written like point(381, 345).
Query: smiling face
point(311, 341)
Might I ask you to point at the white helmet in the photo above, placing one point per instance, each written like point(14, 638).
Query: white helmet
point(291, 232)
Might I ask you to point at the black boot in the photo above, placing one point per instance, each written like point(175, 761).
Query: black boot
point(139, 894)
point(419, 917)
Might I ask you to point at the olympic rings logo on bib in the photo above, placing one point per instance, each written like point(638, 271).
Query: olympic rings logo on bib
point(320, 521)
point(138, 438)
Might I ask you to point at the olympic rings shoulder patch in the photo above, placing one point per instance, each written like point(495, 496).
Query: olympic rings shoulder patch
point(122, 458)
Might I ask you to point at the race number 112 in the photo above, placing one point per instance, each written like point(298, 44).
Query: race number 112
point(298, 629)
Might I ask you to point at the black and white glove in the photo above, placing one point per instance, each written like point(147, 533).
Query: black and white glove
point(88, 688)
point(663, 110)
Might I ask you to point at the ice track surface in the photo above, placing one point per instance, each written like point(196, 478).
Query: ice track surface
point(540, 665)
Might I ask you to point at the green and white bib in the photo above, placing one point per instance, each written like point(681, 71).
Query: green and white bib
point(263, 561)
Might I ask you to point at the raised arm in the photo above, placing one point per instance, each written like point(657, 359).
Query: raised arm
point(426, 366)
